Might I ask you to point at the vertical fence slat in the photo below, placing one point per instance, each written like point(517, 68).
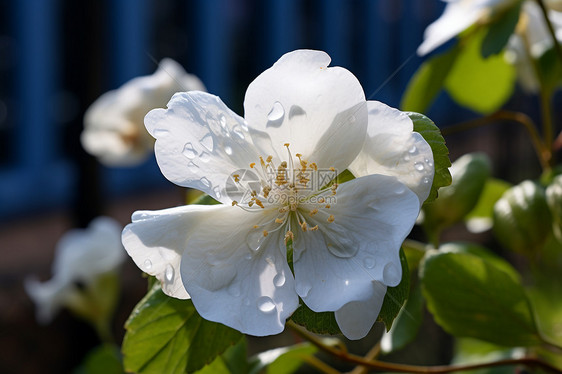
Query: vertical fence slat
point(283, 23)
point(336, 30)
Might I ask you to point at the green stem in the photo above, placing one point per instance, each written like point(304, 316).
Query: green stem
point(400, 368)
point(551, 30)
point(542, 150)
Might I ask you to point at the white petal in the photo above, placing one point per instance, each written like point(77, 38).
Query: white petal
point(200, 142)
point(392, 148)
point(113, 124)
point(336, 264)
point(48, 296)
point(457, 17)
point(82, 254)
point(156, 240)
point(319, 110)
point(355, 319)
point(249, 290)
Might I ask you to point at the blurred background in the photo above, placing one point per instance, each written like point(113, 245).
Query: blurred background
point(58, 56)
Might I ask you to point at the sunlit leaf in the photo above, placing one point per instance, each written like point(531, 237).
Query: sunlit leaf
point(470, 297)
point(167, 335)
point(284, 360)
point(481, 217)
point(499, 31)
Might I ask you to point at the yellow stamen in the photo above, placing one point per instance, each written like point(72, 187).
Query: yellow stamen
point(236, 177)
point(332, 169)
point(313, 212)
point(286, 145)
point(328, 206)
point(259, 203)
point(314, 228)
point(268, 159)
point(250, 203)
point(321, 200)
point(278, 220)
point(256, 226)
point(234, 202)
point(266, 191)
point(331, 218)
point(304, 226)
point(289, 236)
point(265, 233)
point(313, 166)
point(252, 165)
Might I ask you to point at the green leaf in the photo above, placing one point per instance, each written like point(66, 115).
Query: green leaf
point(285, 360)
point(432, 135)
point(407, 323)
point(414, 252)
point(201, 199)
point(325, 322)
point(167, 335)
point(481, 217)
point(482, 85)
point(428, 81)
point(499, 31)
point(232, 361)
point(104, 359)
point(471, 297)
point(473, 351)
point(550, 69)
point(522, 219)
point(470, 173)
point(395, 296)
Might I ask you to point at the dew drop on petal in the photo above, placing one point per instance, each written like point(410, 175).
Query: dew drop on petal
point(189, 151)
point(369, 262)
point(419, 166)
point(217, 192)
point(158, 133)
point(169, 273)
point(400, 189)
point(266, 305)
point(228, 150)
point(222, 120)
point(428, 162)
point(275, 115)
point(207, 142)
point(279, 280)
point(303, 289)
point(244, 125)
point(204, 156)
point(238, 132)
point(391, 274)
point(205, 182)
point(147, 264)
point(412, 150)
point(254, 239)
point(406, 158)
point(192, 165)
point(425, 180)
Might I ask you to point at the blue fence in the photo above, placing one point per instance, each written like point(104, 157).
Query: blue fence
point(225, 42)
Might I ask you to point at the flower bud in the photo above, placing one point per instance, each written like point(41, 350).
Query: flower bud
point(469, 173)
point(522, 220)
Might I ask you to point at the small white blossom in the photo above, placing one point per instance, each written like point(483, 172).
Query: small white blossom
point(304, 122)
point(113, 125)
point(81, 256)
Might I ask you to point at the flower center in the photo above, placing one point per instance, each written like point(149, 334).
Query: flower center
point(293, 196)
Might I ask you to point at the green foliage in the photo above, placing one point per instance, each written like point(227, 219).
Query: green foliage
point(522, 220)
point(286, 360)
point(482, 216)
point(554, 201)
point(499, 31)
point(407, 323)
point(166, 335)
point(428, 81)
point(325, 322)
point(482, 85)
point(550, 69)
point(471, 351)
point(104, 359)
point(470, 173)
point(471, 297)
point(231, 361)
point(432, 135)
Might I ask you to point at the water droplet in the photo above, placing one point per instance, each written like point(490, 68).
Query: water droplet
point(244, 125)
point(207, 142)
point(412, 150)
point(303, 289)
point(228, 150)
point(425, 180)
point(192, 164)
point(369, 262)
point(255, 239)
point(266, 305)
point(217, 192)
point(169, 273)
point(205, 182)
point(277, 112)
point(189, 151)
point(296, 111)
point(275, 115)
point(204, 156)
point(419, 166)
point(147, 264)
point(237, 130)
point(222, 120)
point(391, 275)
point(406, 158)
point(279, 280)
point(428, 162)
point(400, 189)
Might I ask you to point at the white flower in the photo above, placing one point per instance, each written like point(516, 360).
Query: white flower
point(81, 256)
point(113, 125)
point(530, 41)
point(304, 122)
point(461, 14)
